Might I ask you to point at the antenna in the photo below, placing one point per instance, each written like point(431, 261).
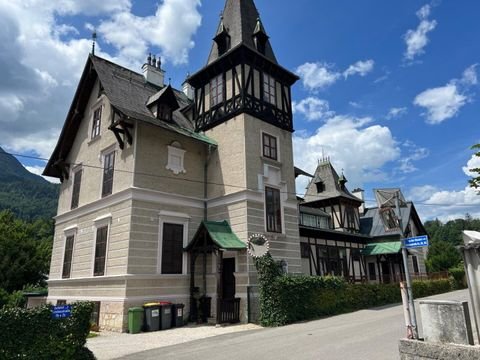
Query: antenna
point(94, 40)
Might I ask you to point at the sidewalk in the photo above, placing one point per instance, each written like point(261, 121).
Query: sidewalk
point(109, 345)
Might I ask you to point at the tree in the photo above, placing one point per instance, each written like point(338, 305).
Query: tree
point(25, 250)
point(442, 256)
point(475, 182)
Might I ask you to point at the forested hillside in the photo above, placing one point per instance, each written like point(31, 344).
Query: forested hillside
point(27, 195)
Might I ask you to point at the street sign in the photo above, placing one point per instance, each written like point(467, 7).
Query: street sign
point(416, 242)
point(61, 312)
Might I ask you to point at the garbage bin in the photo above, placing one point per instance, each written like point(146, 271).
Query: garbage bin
point(177, 315)
point(165, 315)
point(135, 320)
point(152, 316)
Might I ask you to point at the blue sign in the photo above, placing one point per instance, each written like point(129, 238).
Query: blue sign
point(416, 242)
point(61, 312)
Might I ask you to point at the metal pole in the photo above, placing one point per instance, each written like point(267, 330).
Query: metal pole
point(406, 310)
point(413, 317)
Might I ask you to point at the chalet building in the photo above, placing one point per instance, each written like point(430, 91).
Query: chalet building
point(161, 188)
point(339, 236)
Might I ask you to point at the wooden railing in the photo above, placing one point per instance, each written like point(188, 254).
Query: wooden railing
point(230, 311)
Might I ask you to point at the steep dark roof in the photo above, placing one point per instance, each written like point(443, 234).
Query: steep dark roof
point(326, 173)
point(128, 93)
point(371, 222)
point(240, 21)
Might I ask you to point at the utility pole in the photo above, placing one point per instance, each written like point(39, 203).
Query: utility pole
point(413, 317)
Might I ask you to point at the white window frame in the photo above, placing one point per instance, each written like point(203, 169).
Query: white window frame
point(95, 108)
point(175, 150)
point(75, 170)
point(171, 217)
point(69, 231)
point(99, 222)
point(267, 95)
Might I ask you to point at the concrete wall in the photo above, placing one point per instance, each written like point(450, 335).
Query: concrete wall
point(419, 350)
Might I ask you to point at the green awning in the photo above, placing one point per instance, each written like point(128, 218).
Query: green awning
point(220, 234)
point(392, 247)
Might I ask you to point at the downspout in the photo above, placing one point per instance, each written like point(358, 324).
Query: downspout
point(205, 181)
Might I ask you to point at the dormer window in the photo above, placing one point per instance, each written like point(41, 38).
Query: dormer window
point(320, 186)
point(164, 112)
point(216, 90)
point(222, 39)
point(260, 37)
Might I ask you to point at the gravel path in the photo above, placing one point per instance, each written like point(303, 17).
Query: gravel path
point(110, 345)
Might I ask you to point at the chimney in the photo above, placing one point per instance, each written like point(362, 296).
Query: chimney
point(188, 89)
point(360, 193)
point(152, 71)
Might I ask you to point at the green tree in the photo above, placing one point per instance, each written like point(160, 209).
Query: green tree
point(475, 182)
point(25, 250)
point(442, 256)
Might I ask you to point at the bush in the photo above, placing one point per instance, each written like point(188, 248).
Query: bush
point(34, 334)
point(457, 275)
point(285, 299)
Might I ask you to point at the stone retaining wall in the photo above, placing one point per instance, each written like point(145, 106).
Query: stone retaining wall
point(419, 350)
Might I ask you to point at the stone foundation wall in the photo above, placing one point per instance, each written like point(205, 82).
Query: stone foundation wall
point(419, 350)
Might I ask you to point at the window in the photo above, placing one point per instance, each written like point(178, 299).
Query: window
point(61, 302)
point(371, 271)
point(315, 221)
point(108, 170)
point(390, 220)
point(270, 146)
point(95, 316)
point(77, 180)
point(216, 90)
point(320, 186)
point(172, 249)
point(164, 112)
point(67, 257)
point(304, 250)
point(100, 251)
point(350, 217)
point(97, 118)
point(415, 264)
point(269, 89)
point(273, 210)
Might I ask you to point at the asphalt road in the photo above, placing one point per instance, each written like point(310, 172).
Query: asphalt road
point(368, 334)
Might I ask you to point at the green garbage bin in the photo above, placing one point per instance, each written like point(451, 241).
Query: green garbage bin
point(135, 320)
point(152, 316)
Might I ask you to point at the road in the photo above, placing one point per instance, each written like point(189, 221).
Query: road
point(368, 334)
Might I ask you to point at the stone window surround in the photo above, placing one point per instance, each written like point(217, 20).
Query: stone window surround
point(171, 217)
point(99, 222)
point(69, 231)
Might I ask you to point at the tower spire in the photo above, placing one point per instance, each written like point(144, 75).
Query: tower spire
point(94, 40)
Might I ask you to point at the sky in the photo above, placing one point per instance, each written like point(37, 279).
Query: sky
point(388, 90)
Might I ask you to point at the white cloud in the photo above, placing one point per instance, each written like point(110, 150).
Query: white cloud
point(317, 76)
point(413, 153)
point(361, 68)
point(473, 163)
point(441, 103)
point(417, 39)
point(320, 75)
point(131, 35)
point(354, 144)
point(313, 108)
point(445, 102)
point(396, 112)
point(42, 56)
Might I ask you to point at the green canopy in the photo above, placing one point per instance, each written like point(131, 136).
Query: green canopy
point(220, 233)
point(392, 247)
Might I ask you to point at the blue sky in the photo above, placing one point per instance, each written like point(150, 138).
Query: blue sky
point(388, 89)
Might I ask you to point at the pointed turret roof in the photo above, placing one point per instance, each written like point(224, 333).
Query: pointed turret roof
point(333, 188)
point(241, 20)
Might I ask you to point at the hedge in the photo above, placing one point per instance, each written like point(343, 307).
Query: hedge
point(34, 334)
point(285, 299)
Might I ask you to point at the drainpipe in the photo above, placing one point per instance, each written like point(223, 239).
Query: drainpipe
point(205, 181)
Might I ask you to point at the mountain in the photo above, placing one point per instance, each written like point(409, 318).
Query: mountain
point(28, 195)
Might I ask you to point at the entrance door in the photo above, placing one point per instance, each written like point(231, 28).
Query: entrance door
point(228, 278)
point(386, 272)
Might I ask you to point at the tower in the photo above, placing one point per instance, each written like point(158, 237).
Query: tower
point(242, 99)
